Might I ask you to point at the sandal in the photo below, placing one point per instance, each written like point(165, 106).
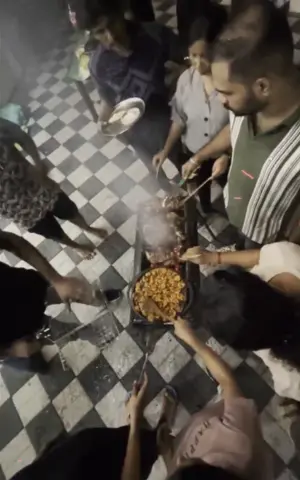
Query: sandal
point(170, 404)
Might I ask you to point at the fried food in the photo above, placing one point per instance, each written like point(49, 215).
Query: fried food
point(131, 116)
point(117, 116)
point(165, 287)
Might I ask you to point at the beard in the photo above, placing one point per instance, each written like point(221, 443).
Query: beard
point(250, 106)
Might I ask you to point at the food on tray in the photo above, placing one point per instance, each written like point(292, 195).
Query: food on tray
point(172, 202)
point(125, 117)
point(167, 257)
point(162, 231)
point(117, 116)
point(165, 287)
point(131, 116)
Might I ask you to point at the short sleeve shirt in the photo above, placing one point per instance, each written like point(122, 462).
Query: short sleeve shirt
point(142, 73)
point(202, 117)
point(227, 435)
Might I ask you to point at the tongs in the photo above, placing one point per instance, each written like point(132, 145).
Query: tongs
point(186, 199)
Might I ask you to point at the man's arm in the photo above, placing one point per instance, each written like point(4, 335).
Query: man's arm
point(22, 138)
point(68, 288)
point(217, 367)
point(175, 133)
point(221, 143)
point(25, 251)
point(131, 467)
point(245, 259)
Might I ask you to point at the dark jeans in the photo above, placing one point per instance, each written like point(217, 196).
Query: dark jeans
point(148, 137)
point(92, 450)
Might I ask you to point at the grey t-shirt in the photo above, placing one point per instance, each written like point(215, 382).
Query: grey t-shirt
point(202, 117)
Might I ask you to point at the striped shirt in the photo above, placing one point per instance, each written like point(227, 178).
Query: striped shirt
point(264, 178)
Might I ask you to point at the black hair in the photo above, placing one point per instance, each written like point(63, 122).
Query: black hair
point(209, 25)
point(88, 12)
point(245, 312)
point(256, 42)
point(204, 471)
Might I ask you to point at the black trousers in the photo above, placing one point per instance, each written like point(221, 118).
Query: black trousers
point(91, 453)
point(148, 137)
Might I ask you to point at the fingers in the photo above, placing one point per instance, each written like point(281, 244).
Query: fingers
point(135, 388)
point(191, 254)
point(144, 385)
point(188, 171)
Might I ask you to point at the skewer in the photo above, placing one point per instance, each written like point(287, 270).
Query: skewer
point(140, 380)
point(196, 190)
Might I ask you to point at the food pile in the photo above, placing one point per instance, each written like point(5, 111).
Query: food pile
point(162, 230)
point(165, 287)
point(125, 117)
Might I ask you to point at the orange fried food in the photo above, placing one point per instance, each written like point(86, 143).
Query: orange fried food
point(165, 287)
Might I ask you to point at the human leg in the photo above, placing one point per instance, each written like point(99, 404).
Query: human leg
point(25, 354)
point(165, 440)
point(49, 227)
point(100, 297)
point(148, 137)
point(203, 174)
point(65, 209)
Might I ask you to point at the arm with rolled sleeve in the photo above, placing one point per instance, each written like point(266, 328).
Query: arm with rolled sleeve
point(178, 120)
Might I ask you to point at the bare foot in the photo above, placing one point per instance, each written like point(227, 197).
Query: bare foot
point(169, 406)
point(86, 251)
point(168, 412)
point(99, 232)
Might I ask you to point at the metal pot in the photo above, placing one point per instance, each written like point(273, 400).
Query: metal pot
point(189, 294)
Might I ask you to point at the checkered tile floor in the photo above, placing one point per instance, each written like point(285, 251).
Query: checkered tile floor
point(89, 387)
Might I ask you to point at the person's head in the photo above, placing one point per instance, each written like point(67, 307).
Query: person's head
point(105, 20)
point(252, 61)
point(196, 469)
point(242, 310)
point(203, 32)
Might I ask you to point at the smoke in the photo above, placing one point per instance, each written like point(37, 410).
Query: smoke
point(159, 228)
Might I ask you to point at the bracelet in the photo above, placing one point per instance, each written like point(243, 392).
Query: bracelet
point(217, 259)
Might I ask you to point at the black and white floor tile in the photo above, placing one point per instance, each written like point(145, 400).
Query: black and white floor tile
point(93, 370)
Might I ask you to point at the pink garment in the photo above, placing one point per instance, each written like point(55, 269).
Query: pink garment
point(227, 435)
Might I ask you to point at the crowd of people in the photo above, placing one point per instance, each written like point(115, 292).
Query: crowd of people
point(234, 114)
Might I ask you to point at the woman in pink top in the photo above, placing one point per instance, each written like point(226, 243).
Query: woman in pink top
point(258, 311)
point(223, 441)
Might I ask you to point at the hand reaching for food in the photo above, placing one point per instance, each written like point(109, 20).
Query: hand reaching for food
point(200, 257)
point(158, 160)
